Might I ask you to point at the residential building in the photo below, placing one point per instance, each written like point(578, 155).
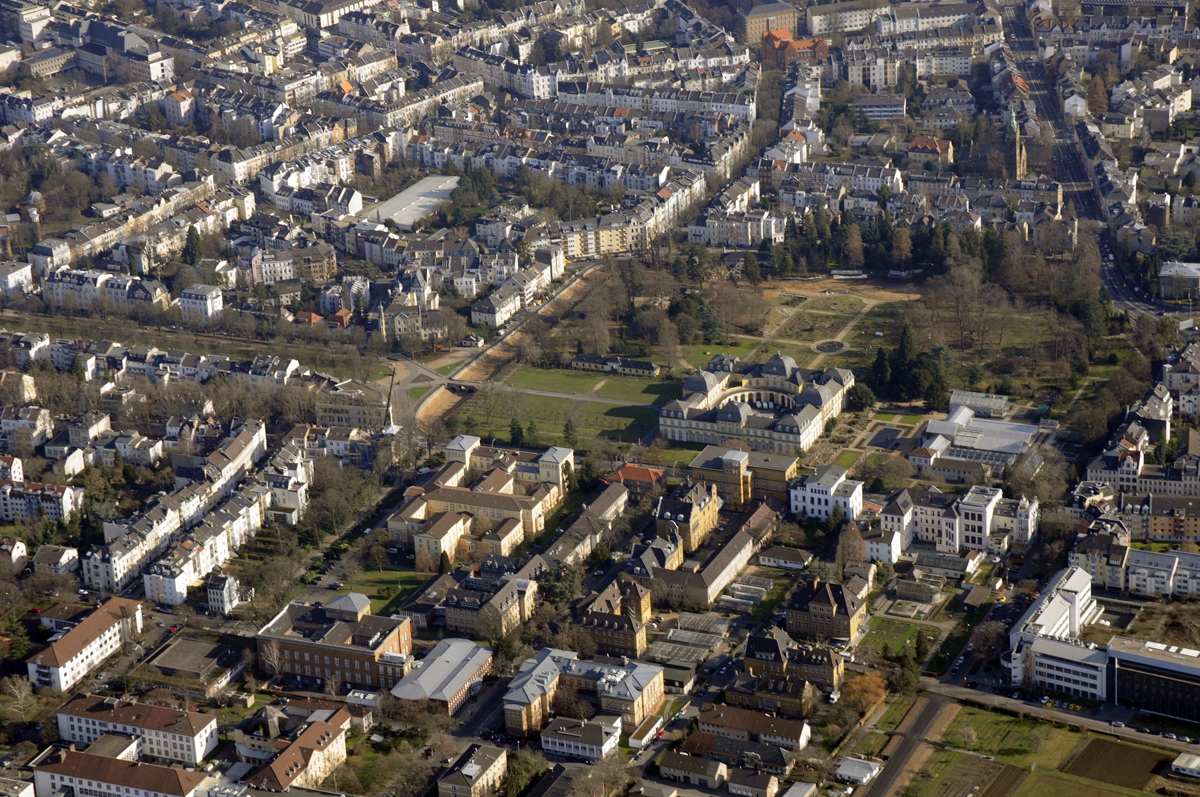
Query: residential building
point(65, 769)
point(640, 480)
point(787, 696)
point(222, 594)
point(344, 642)
point(754, 726)
point(478, 772)
point(453, 671)
point(581, 740)
point(631, 689)
point(163, 733)
point(71, 657)
point(880, 107)
point(744, 477)
point(758, 19)
point(692, 513)
point(845, 17)
point(825, 611)
point(692, 770)
point(201, 304)
point(56, 559)
point(824, 492)
point(785, 558)
point(495, 309)
point(13, 553)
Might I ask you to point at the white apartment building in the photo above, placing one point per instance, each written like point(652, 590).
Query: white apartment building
point(975, 511)
point(818, 494)
point(581, 740)
point(85, 647)
point(844, 17)
point(132, 543)
point(208, 546)
point(100, 776)
point(981, 520)
point(201, 303)
point(183, 736)
point(1060, 613)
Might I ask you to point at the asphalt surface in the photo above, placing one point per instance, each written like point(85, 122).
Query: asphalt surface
point(915, 736)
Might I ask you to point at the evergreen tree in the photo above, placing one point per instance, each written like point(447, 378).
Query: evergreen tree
point(881, 373)
point(193, 250)
point(444, 565)
point(903, 360)
point(570, 434)
point(516, 432)
point(752, 272)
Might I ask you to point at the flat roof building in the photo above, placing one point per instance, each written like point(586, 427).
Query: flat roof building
point(414, 203)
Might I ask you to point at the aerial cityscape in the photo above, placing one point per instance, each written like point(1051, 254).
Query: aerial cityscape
point(599, 398)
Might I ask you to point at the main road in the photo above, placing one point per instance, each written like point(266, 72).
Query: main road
point(1069, 165)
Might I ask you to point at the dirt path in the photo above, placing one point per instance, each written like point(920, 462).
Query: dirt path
point(937, 731)
point(493, 361)
point(841, 335)
point(915, 763)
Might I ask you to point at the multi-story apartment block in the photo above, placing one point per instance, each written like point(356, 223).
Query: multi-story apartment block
point(344, 643)
point(202, 481)
point(744, 477)
point(825, 611)
point(69, 659)
point(633, 690)
point(692, 513)
point(980, 520)
point(478, 772)
point(758, 19)
point(164, 733)
point(818, 494)
point(844, 17)
point(85, 773)
point(56, 559)
point(201, 304)
point(615, 619)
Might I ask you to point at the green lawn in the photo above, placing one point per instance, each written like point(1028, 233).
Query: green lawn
point(941, 762)
point(414, 395)
point(889, 634)
point(1012, 740)
point(446, 369)
point(633, 389)
point(870, 746)
point(846, 304)
point(701, 353)
point(847, 459)
point(373, 582)
point(814, 326)
point(885, 416)
point(912, 419)
point(894, 715)
point(556, 381)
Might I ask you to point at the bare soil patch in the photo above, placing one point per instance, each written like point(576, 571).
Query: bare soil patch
point(1117, 763)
